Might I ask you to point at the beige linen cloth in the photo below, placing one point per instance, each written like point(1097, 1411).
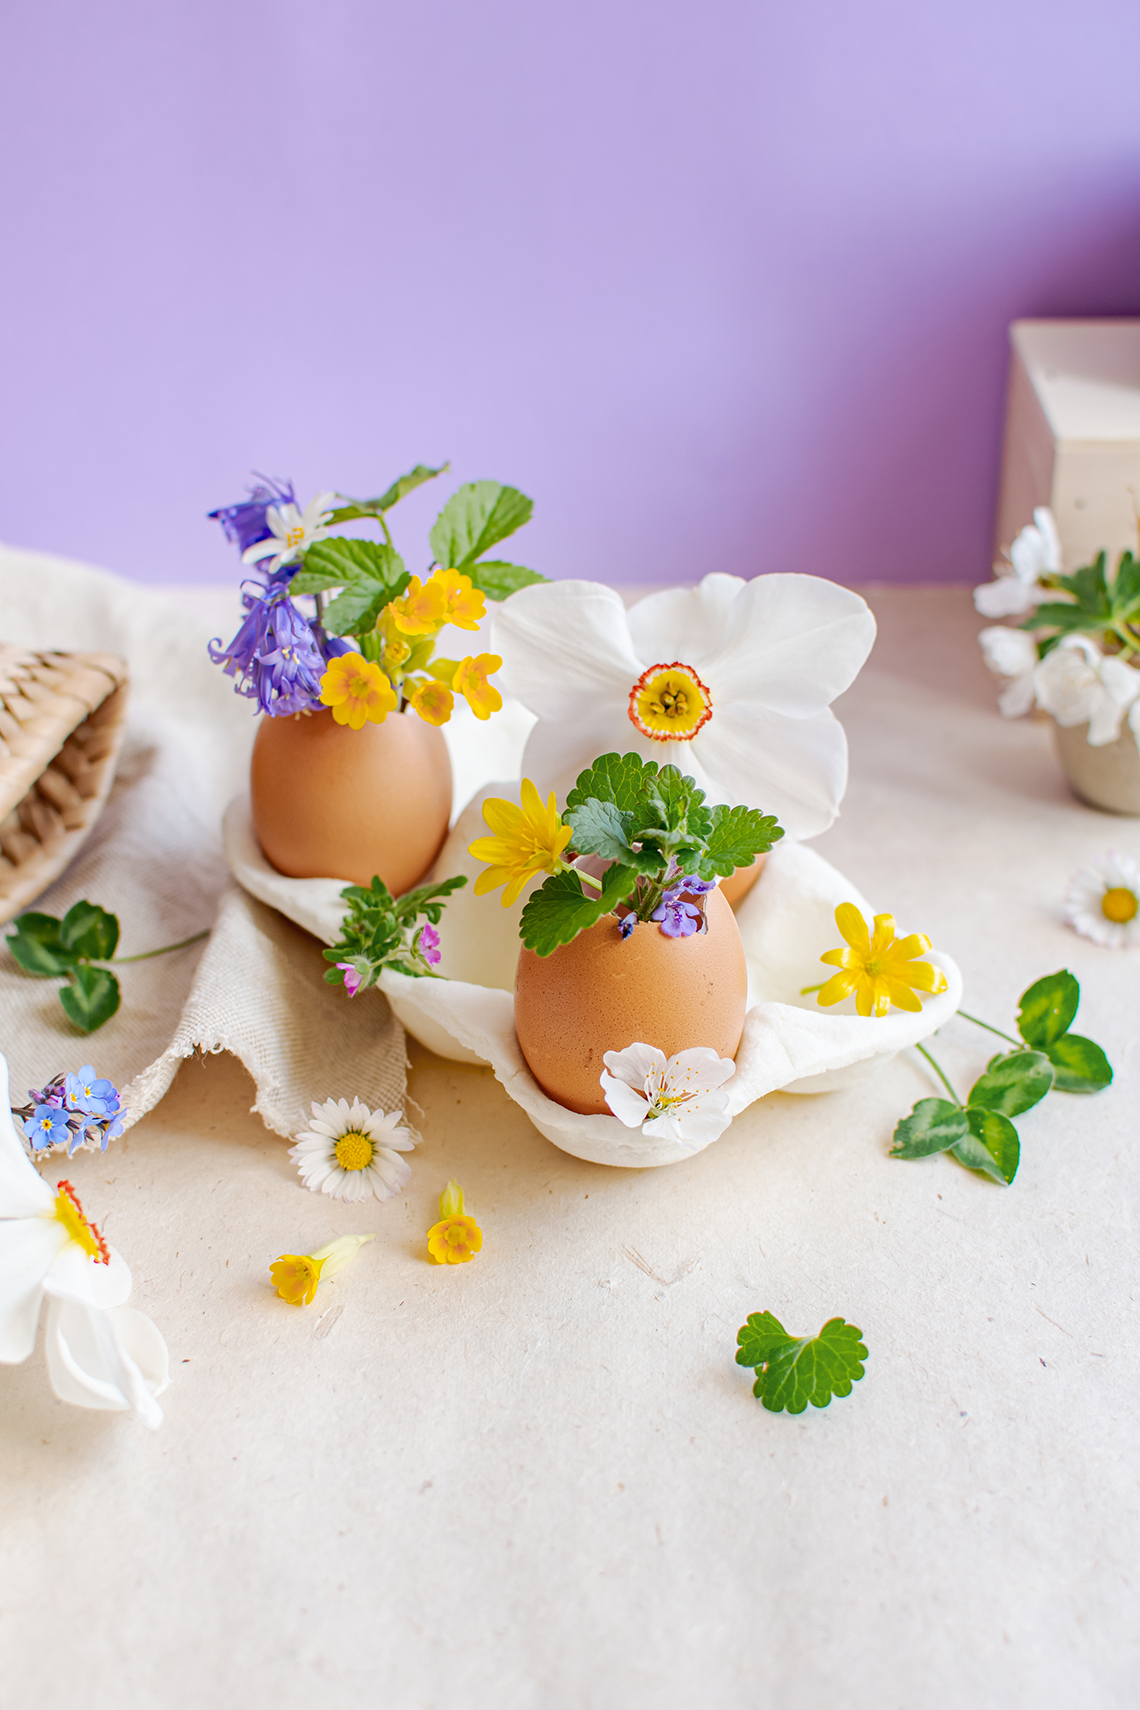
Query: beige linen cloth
point(154, 858)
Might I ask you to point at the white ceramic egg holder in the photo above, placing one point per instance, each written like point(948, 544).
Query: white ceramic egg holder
point(786, 921)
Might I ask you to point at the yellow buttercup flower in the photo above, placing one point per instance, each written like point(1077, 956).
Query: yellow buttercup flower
point(296, 1275)
point(433, 701)
point(466, 604)
point(455, 1238)
point(879, 968)
point(470, 681)
point(357, 691)
point(527, 840)
point(422, 608)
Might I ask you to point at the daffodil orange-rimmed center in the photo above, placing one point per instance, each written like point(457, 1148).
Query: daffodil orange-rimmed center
point(669, 703)
point(1119, 904)
point(79, 1228)
point(354, 1151)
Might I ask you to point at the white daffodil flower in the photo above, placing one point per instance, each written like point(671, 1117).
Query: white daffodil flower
point(293, 531)
point(1017, 589)
point(730, 681)
point(101, 1353)
point(678, 1099)
point(1013, 654)
point(1077, 684)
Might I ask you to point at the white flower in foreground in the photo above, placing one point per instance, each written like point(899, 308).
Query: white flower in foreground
point(730, 681)
point(1078, 684)
point(100, 1352)
point(351, 1154)
point(1017, 589)
point(293, 531)
point(676, 1099)
point(1103, 901)
point(1011, 653)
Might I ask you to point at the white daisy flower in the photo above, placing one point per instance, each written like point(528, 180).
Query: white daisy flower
point(1013, 654)
point(1103, 901)
point(293, 531)
point(1079, 684)
point(1017, 586)
point(678, 1099)
point(351, 1154)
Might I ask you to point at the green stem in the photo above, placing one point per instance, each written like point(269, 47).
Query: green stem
point(804, 990)
point(384, 525)
point(145, 955)
point(940, 1075)
point(988, 1028)
point(587, 878)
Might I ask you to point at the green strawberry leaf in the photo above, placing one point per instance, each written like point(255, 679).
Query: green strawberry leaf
point(933, 1125)
point(476, 518)
point(37, 946)
point(356, 509)
point(791, 1371)
point(1079, 1066)
point(498, 579)
point(89, 932)
point(736, 837)
point(1012, 1083)
point(991, 1146)
point(562, 909)
point(1047, 1009)
point(90, 998)
point(616, 778)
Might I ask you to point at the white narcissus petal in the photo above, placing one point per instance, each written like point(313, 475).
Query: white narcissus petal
point(23, 1191)
point(29, 1247)
point(75, 1275)
point(694, 618)
point(564, 646)
point(794, 768)
point(558, 750)
point(793, 643)
point(115, 1360)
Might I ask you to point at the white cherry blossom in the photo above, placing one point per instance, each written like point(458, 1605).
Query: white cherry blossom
point(1011, 653)
point(1017, 586)
point(1078, 684)
point(675, 1099)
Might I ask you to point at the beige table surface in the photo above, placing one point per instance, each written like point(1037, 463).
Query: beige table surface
point(540, 1479)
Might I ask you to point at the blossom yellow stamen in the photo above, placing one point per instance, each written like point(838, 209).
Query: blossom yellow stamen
point(1119, 904)
point(354, 1151)
point(527, 840)
point(357, 691)
point(669, 703)
point(80, 1228)
point(877, 967)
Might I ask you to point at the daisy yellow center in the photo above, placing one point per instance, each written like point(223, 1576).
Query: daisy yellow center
point(79, 1228)
point(295, 536)
point(1119, 904)
point(669, 703)
point(354, 1151)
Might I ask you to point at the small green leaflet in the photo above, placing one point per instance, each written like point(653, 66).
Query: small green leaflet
point(933, 1125)
point(1079, 1066)
point(91, 997)
point(991, 1146)
point(791, 1371)
point(561, 909)
point(354, 510)
point(474, 519)
point(44, 945)
point(1013, 1083)
point(1045, 1014)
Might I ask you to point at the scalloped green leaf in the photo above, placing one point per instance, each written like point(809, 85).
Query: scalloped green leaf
point(736, 837)
point(791, 1371)
point(561, 909)
point(616, 778)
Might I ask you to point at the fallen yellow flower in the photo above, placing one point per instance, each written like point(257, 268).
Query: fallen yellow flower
point(879, 968)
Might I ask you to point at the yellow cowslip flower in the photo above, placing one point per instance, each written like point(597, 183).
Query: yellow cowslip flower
point(527, 840)
point(878, 967)
point(422, 608)
point(296, 1275)
point(433, 701)
point(466, 604)
point(470, 681)
point(357, 690)
point(455, 1238)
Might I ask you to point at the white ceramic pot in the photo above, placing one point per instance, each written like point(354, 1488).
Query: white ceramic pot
point(1107, 777)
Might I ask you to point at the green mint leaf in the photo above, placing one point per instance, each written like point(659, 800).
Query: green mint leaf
point(89, 932)
point(562, 908)
point(1079, 1066)
point(737, 835)
point(474, 519)
point(1126, 587)
point(428, 900)
point(794, 1371)
point(616, 778)
point(602, 829)
point(1046, 1010)
point(991, 1145)
point(1012, 1083)
point(90, 997)
point(933, 1125)
point(355, 509)
point(498, 580)
point(671, 797)
point(37, 946)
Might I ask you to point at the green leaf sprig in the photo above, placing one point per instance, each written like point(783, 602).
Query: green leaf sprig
point(793, 1370)
point(76, 947)
point(653, 824)
point(1096, 606)
point(980, 1132)
point(381, 931)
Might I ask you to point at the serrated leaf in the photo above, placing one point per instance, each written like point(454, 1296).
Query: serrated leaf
point(1047, 1008)
point(90, 997)
point(474, 519)
point(794, 1371)
point(932, 1126)
point(37, 946)
point(616, 778)
point(1079, 1065)
point(333, 563)
point(400, 488)
point(499, 580)
point(991, 1146)
point(1013, 1083)
point(736, 837)
point(90, 932)
point(561, 909)
point(602, 829)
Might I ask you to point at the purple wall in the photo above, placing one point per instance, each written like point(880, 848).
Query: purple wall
point(722, 285)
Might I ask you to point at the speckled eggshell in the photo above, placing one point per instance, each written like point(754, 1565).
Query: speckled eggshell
point(330, 802)
point(604, 992)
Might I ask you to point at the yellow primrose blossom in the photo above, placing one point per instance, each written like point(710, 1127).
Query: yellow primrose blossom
point(433, 701)
point(422, 608)
point(296, 1275)
point(470, 681)
point(879, 968)
point(455, 1238)
point(466, 604)
point(357, 690)
point(527, 840)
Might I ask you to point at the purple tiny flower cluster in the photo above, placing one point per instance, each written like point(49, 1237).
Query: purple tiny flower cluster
point(72, 1111)
point(427, 943)
point(678, 914)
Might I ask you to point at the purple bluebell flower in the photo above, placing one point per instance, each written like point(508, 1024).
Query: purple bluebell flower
point(244, 524)
point(626, 925)
point(274, 656)
point(427, 943)
point(352, 977)
point(679, 916)
point(85, 1092)
point(48, 1127)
